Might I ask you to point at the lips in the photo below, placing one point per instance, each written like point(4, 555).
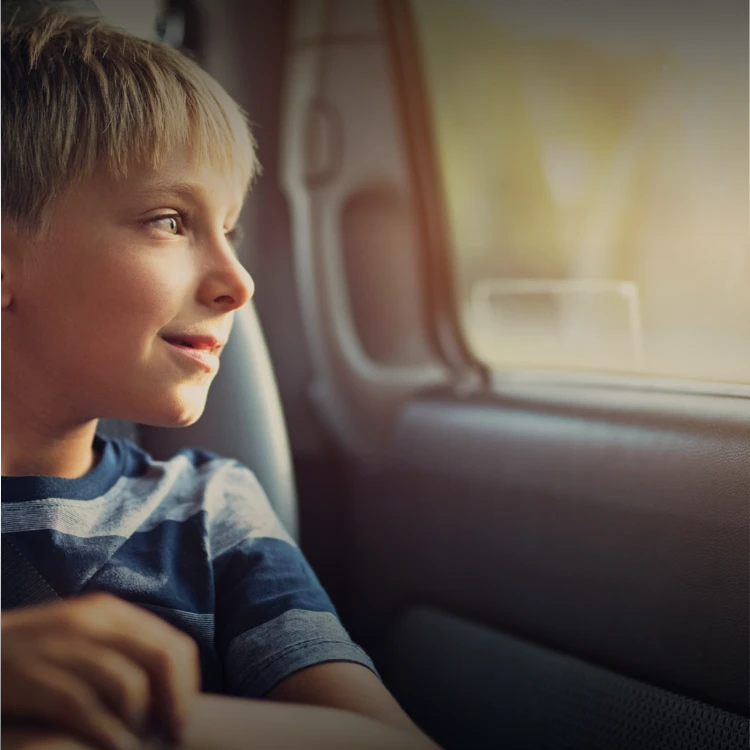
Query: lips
point(200, 351)
point(199, 343)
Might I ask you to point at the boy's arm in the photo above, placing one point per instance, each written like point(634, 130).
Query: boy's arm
point(344, 685)
point(222, 723)
point(368, 718)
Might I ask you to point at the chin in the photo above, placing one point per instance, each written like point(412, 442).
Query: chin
point(177, 411)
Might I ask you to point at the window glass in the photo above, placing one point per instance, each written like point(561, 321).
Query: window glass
point(595, 165)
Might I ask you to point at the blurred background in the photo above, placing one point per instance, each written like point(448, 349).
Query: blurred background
point(596, 141)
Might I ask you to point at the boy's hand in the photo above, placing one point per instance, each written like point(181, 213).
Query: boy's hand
point(98, 667)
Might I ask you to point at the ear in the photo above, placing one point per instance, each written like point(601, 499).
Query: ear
point(10, 245)
point(6, 297)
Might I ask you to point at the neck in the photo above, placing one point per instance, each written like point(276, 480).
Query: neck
point(35, 445)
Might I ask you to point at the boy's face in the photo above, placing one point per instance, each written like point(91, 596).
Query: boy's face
point(127, 271)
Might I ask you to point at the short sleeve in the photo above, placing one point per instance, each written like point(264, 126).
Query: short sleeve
point(273, 617)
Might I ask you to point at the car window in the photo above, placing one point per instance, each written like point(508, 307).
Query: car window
point(595, 165)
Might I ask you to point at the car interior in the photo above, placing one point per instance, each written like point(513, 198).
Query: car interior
point(495, 379)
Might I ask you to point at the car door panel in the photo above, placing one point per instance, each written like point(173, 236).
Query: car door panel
point(610, 527)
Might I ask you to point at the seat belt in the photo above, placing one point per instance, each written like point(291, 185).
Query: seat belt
point(22, 584)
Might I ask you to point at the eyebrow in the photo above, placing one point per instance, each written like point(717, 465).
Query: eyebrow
point(190, 190)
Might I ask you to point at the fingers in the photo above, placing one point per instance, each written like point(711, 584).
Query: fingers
point(122, 685)
point(140, 670)
point(171, 663)
point(169, 657)
point(59, 698)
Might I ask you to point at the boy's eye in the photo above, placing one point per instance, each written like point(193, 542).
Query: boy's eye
point(171, 223)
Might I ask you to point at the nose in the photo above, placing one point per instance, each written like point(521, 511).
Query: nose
point(227, 285)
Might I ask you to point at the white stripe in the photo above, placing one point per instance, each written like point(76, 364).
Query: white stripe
point(238, 509)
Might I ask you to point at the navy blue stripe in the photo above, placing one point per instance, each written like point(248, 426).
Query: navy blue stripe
point(259, 580)
point(64, 560)
point(166, 566)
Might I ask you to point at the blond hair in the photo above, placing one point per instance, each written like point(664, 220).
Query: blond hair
point(78, 95)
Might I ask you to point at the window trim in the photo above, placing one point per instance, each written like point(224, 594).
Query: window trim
point(442, 321)
point(510, 377)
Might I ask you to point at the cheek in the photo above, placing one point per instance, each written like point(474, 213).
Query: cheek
point(145, 284)
point(125, 302)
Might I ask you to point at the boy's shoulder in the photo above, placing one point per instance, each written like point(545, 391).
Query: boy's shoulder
point(196, 479)
point(133, 461)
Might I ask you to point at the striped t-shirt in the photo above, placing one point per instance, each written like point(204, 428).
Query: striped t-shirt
point(195, 541)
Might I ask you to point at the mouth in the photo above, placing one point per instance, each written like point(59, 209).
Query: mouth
point(196, 350)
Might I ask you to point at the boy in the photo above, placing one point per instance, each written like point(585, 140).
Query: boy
point(124, 169)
